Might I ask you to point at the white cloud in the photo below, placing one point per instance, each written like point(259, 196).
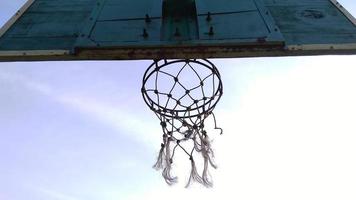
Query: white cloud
point(114, 116)
point(53, 195)
point(288, 131)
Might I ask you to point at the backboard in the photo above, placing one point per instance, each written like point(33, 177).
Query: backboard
point(158, 29)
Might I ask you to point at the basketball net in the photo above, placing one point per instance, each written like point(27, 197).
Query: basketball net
point(183, 94)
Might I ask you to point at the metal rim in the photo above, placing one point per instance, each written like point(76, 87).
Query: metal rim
point(157, 108)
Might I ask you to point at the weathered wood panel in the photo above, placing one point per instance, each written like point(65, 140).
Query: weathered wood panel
point(250, 25)
point(130, 9)
point(48, 24)
point(326, 38)
point(102, 29)
point(48, 6)
point(224, 6)
point(126, 31)
point(295, 2)
point(36, 43)
point(311, 22)
point(54, 24)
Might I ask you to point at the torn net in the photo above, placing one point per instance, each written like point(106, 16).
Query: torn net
point(183, 94)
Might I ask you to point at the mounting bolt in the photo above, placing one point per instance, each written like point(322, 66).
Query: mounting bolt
point(211, 31)
point(208, 18)
point(145, 34)
point(147, 19)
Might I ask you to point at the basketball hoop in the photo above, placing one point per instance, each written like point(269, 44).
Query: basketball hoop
point(182, 105)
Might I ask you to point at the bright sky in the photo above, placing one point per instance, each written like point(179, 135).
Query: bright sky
point(81, 131)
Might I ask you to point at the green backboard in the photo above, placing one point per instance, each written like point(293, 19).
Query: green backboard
point(157, 29)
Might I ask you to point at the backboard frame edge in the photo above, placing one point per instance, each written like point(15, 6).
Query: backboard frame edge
point(15, 17)
point(145, 54)
point(344, 11)
point(34, 53)
point(315, 47)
